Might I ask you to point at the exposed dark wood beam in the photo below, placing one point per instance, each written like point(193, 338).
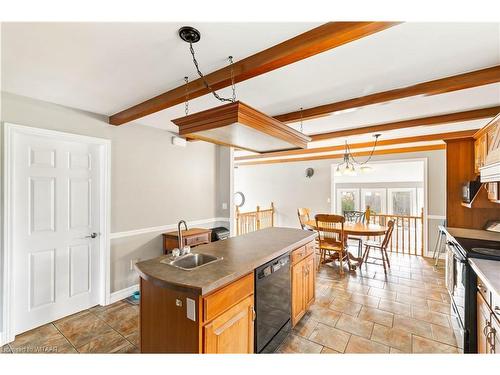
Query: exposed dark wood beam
point(438, 86)
point(355, 154)
point(474, 114)
point(384, 142)
point(310, 43)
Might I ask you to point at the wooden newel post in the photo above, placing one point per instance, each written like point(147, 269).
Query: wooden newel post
point(272, 214)
point(258, 218)
point(422, 234)
point(367, 214)
point(237, 221)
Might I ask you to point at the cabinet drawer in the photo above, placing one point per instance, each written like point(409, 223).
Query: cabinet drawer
point(197, 240)
point(219, 301)
point(302, 252)
point(484, 291)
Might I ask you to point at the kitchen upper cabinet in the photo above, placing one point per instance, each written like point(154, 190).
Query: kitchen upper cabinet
point(232, 331)
point(480, 152)
point(303, 281)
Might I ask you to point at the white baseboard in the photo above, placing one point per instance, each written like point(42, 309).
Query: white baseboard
point(167, 227)
point(124, 293)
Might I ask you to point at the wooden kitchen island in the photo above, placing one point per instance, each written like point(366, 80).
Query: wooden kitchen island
point(210, 309)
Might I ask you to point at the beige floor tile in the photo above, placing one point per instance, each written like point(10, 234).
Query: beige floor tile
point(358, 288)
point(305, 326)
point(44, 339)
point(365, 300)
point(324, 315)
point(110, 342)
point(377, 316)
point(396, 351)
point(133, 339)
point(323, 300)
point(131, 349)
point(326, 350)
point(394, 307)
point(124, 318)
point(361, 345)
point(397, 288)
point(297, 344)
point(414, 326)
point(81, 329)
point(330, 337)
point(345, 306)
point(427, 294)
point(382, 293)
point(355, 326)
point(429, 316)
point(444, 335)
point(411, 300)
point(440, 307)
point(423, 345)
point(394, 337)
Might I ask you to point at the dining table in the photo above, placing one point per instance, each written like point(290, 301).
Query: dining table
point(354, 229)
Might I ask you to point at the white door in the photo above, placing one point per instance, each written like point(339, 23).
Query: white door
point(56, 198)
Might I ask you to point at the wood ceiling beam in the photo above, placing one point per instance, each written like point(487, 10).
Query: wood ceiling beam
point(310, 43)
point(338, 156)
point(438, 86)
point(385, 142)
point(474, 114)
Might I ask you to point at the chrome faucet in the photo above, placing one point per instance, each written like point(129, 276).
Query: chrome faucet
point(179, 236)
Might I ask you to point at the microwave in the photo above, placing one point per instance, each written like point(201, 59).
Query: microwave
point(469, 190)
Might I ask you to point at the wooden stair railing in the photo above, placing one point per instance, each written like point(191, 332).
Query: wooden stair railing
point(247, 222)
point(408, 236)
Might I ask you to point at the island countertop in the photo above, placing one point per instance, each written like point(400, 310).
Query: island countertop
point(241, 255)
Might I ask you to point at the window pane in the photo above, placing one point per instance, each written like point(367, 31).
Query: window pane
point(401, 203)
point(374, 200)
point(348, 201)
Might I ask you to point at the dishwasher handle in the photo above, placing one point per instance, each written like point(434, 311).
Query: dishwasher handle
point(271, 267)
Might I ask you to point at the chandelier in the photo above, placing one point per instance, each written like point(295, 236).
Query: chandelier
point(347, 166)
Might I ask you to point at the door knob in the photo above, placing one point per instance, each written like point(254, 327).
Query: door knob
point(92, 235)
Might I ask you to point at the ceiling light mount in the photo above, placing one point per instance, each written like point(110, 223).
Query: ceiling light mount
point(189, 34)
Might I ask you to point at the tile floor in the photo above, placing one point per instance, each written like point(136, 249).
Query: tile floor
point(364, 311)
point(109, 329)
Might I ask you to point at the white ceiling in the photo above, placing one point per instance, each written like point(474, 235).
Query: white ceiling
point(107, 67)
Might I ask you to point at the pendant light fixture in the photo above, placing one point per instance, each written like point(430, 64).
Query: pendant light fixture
point(347, 166)
point(234, 124)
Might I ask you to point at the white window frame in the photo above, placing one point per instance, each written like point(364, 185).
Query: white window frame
point(390, 192)
point(383, 193)
point(356, 192)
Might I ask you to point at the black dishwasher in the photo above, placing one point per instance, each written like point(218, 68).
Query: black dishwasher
point(272, 304)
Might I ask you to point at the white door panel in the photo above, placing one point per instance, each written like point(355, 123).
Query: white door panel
point(56, 199)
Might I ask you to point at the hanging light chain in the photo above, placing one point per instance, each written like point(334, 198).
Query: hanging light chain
point(186, 104)
point(233, 87)
point(371, 153)
point(233, 99)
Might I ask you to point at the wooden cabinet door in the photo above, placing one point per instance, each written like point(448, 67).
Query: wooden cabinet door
point(483, 325)
point(477, 155)
point(232, 331)
point(309, 281)
point(298, 298)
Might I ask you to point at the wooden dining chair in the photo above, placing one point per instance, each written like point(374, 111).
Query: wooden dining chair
point(382, 246)
point(356, 217)
point(331, 240)
point(304, 215)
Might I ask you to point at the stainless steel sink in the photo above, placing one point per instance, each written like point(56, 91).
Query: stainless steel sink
point(191, 261)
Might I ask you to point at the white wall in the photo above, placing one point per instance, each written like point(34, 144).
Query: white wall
point(153, 183)
point(287, 186)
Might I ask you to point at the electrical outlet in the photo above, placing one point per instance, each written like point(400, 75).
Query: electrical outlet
point(133, 262)
point(224, 206)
